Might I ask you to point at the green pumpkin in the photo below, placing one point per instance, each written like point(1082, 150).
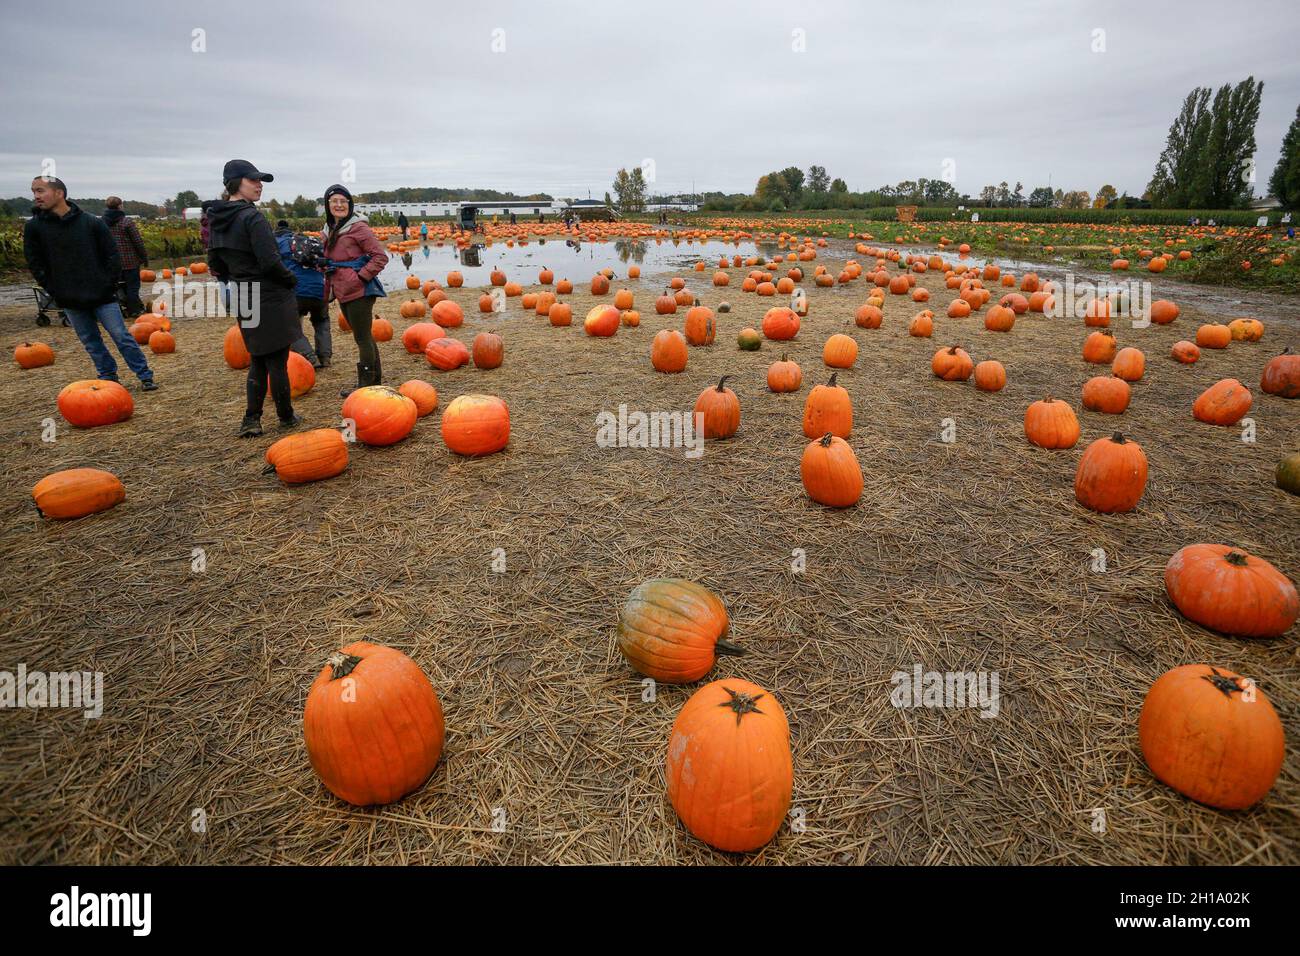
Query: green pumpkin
point(749, 340)
point(1288, 474)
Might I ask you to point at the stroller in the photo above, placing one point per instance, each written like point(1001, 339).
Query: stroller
point(44, 305)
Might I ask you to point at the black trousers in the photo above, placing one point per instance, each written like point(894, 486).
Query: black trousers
point(273, 367)
point(131, 279)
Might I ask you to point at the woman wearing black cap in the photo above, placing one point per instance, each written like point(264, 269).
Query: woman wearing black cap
point(356, 258)
point(242, 251)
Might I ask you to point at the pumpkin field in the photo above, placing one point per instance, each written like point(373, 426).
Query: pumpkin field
point(937, 487)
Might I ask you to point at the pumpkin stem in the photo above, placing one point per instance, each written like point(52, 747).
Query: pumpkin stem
point(342, 664)
point(728, 649)
point(1237, 558)
point(831, 383)
point(741, 703)
point(1224, 684)
point(826, 440)
point(721, 380)
point(1118, 438)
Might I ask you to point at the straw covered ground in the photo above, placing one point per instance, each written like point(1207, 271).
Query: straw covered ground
point(963, 556)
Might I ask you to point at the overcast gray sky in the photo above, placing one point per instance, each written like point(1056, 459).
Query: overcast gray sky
point(556, 96)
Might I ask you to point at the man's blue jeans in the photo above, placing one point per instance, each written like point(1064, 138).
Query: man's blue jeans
point(87, 323)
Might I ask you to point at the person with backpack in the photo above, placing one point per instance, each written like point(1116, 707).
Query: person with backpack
point(73, 257)
point(403, 223)
point(356, 258)
point(243, 253)
point(130, 251)
point(301, 255)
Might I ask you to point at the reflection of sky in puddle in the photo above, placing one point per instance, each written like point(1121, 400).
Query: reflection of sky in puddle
point(576, 263)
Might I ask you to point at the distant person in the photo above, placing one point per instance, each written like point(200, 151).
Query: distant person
point(356, 259)
point(205, 223)
point(130, 251)
point(541, 217)
point(402, 223)
point(424, 231)
point(73, 257)
point(243, 252)
point(406, 259)
point(512, 219)
point(311, 299)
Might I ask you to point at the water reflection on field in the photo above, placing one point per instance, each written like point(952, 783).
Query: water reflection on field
point(568, 259)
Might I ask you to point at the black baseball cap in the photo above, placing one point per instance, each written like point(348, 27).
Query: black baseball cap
point(243, 169)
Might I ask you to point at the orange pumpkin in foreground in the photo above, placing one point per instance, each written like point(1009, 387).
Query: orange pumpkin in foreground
point(729, 771)
point(721, 410)
point(77, 492)
point(476, 425)
point(1229, 590)
point(92, 402)
point(672, 630)
point(311, 456)
point(1212, 736)
point(383, 416)
point(1112, 475)
point(1224, 403)
point(830, 472)
point(33, 355)
point(373, 725)
point(1051, 423)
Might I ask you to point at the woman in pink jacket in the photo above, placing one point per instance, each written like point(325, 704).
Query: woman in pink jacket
point(356, 258)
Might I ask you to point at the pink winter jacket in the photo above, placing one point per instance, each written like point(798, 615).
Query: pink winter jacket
point(355, 241)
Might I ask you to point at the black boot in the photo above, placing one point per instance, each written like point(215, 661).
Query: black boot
point(364, 374)
point(251, 427)
point(324, 361)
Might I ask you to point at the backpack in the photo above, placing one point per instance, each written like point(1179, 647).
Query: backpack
point(305, 250)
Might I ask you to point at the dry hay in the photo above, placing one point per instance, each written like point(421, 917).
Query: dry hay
point(965, 557)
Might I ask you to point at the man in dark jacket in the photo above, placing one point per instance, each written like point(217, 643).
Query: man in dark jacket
point(311, 300)
point(130, 250)
point(74, 258)
point(402, 223)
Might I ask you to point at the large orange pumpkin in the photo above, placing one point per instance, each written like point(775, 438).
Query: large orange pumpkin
point(602, 321)
point(446, 354)
point(417, 337)
point(488, 350)
point(310, 456)
point(1212, 736)
point(952, 364)
point(1281, 375)
point(668, 351)
point(1223, 403)
point(1111, 476)
point(1229, 590)
point(729, 770)
point(33, 355)
point(830, 472)
point(422, 393)
point(92, 402)
point(721, 410)
point(234, 350)
point(1051, 423)
point(827, 409)
point(840, 351)
point(990, 376)
point(77, 492)
point(672, 630)
point(476, 425)
point(700, 326)
point(373, 725)
point(383, 415)
point(784, 376)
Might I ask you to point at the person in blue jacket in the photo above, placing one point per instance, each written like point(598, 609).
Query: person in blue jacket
point(311, 301)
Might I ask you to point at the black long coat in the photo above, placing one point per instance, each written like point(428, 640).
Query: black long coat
point(242, 249)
